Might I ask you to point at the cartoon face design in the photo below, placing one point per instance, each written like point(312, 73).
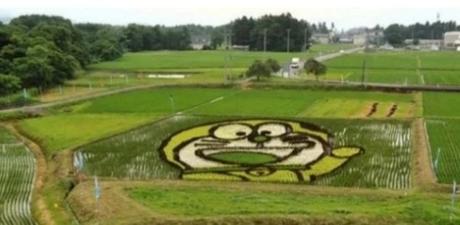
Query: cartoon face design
point(242, 144)
point(249, 149)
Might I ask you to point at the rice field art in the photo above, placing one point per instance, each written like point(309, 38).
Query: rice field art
point(256, 150)
point(328, 152)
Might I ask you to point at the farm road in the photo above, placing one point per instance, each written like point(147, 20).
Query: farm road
point(75, 99)
point(330, 56)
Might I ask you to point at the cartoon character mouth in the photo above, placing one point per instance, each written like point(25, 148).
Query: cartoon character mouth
point(249, 155)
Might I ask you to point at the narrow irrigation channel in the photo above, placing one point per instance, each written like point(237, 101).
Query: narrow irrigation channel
point(17, 178)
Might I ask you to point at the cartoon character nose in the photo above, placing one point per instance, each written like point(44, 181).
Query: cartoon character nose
point(260, 139)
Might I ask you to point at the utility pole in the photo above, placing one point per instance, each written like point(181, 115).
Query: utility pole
point(265, 40)
point(226, 40)
point(305, 39)
point(363, 76)
point(230, 39)
point(288, 39)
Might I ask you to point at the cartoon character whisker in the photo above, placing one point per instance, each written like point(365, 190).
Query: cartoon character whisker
point(298, 142)
point(295, 138)
point(215, 141)
point(208, 145)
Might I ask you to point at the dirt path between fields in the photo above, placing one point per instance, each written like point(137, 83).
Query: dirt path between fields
point(39, 208)
point(419, 70)
point(424, 176)
point(85, 97)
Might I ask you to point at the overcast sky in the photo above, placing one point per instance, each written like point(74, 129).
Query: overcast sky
point(345, 14)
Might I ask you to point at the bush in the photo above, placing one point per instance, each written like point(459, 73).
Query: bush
point(259, 69)
point(9, 84)
point(273, 64)
point(314, 67)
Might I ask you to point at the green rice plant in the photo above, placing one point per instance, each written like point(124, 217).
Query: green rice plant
point(445, 143)
point(386, 159)
point(290, 103)
point(17, 174)
point(405, 67)
point(208, 200)
point(385, 162)
point(192, 60)
point(441, 105)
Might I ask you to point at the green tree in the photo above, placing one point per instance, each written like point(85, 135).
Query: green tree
point(5, 66)
point(54, 29)
point(314, 67)
point(33, 72)
point(217, 39)
point(273, 64)
point(259, 69)
point(9, 84)
point(394, 34)
point(103, 42)
point(241, 30)
point(4, 36)
point(105, 50)
point(276, 28)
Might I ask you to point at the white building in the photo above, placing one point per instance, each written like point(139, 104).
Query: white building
point(425, 44)
point(360, 39)
point(321, 38)
point(452, 39)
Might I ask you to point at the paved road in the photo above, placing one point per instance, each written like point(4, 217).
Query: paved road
point(326, 57)
point(321, 58)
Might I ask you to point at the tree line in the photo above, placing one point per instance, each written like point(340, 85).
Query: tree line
point(270, 32)
point(42, 51)
point(395, 34)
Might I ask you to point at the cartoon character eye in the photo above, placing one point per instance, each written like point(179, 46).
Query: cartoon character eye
point(273, 129)
point(232, 131)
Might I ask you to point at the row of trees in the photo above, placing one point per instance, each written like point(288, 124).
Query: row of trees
point(42, 51)
point(252, 32)
point(141, 38)
point(260, 69)
point(395, 34)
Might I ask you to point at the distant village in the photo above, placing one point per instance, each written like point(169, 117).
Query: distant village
point(375, 37)
point(371, 38)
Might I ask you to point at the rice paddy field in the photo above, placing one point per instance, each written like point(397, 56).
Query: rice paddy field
point(443, 124)
point(91, 120)
point(208, 201)
point(204, 60)
point(17, 174)
point(400, 67)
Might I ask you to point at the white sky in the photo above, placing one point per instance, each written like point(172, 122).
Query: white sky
point(345, 14)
